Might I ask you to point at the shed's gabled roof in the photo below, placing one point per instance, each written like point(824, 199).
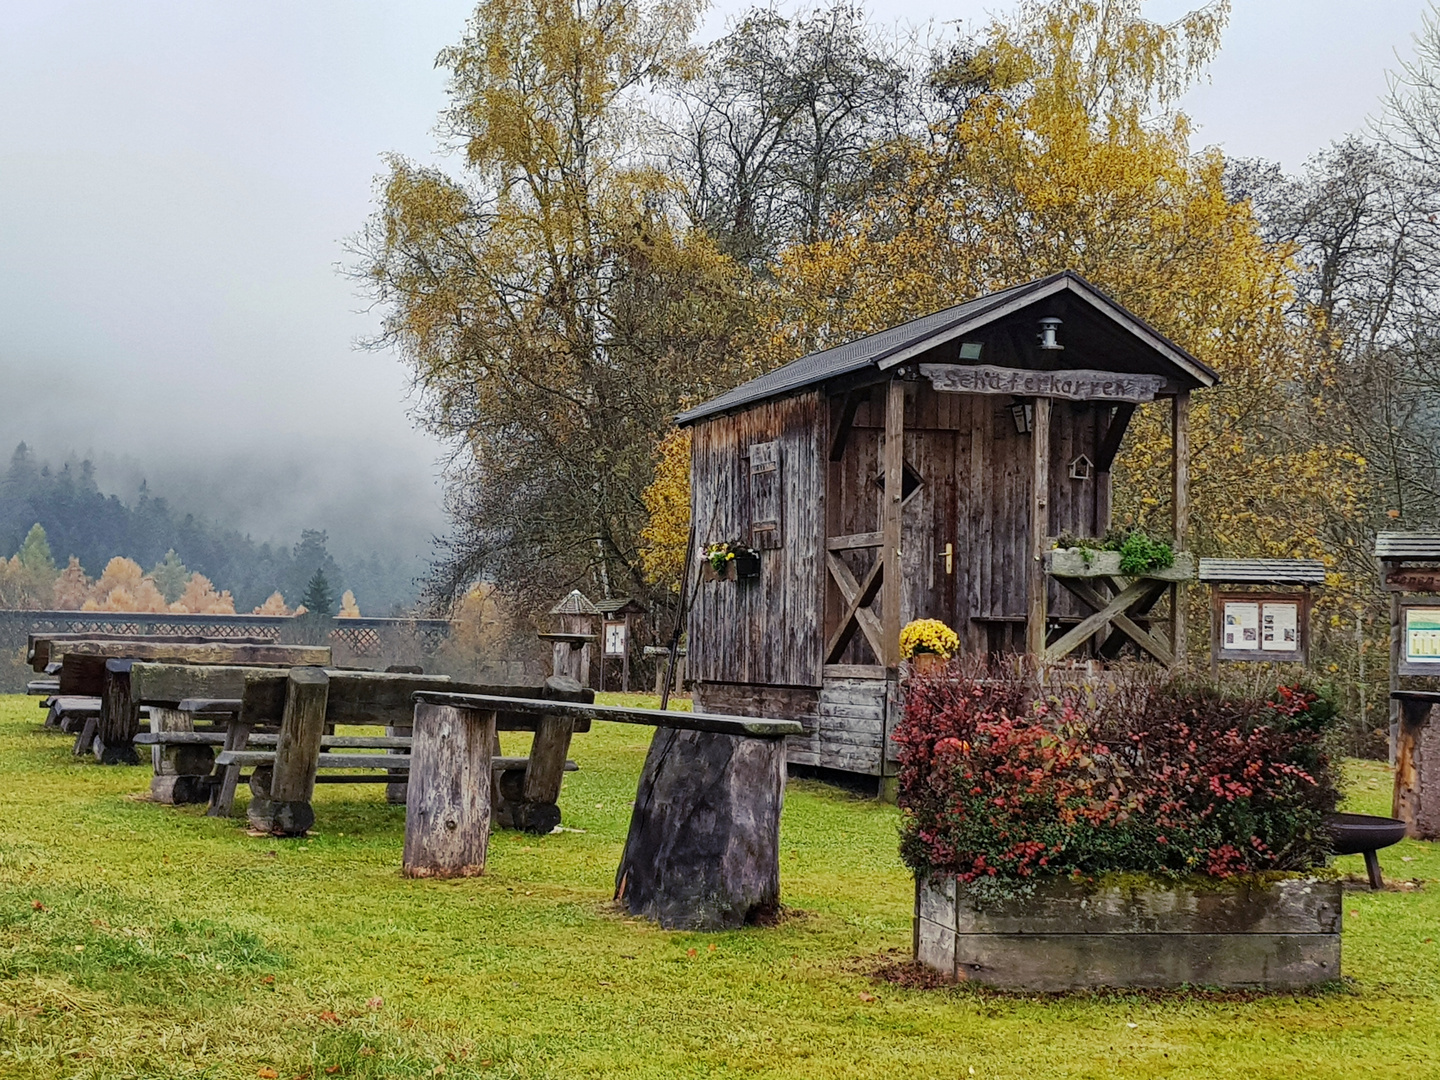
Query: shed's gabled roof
point(889, 348)
point(1401, 545)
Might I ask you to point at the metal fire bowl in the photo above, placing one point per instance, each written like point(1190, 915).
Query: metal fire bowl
point(1355, 834)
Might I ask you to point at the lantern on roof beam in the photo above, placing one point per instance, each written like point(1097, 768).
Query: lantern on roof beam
point(1050, 334)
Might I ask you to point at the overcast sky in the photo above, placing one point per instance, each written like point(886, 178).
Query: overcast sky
point(177, 180)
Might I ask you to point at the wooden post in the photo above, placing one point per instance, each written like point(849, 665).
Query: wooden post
point(447, 815)
point(181, 772)
point(1180, 508)
point(1397, 633)
point(119, 723)
point(297, 752)
point(537, 810)
point(1416, 799)
point(1036, 578)
point(395, 789)
point(894, 465)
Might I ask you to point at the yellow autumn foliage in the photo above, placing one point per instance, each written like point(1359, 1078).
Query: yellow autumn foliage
point(667, 500)
point(349, 609)
point(1068, 159)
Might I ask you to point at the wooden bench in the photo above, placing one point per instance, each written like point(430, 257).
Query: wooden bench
point(703, 850)
point(301, 706)
point(69, 713)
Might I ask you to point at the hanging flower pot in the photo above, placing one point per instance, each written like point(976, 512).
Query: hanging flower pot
point(729, 561)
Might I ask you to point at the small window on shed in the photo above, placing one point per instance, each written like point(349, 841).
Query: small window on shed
point(765, 496)
point(910, 482)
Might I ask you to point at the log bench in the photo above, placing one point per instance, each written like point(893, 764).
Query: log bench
point(69, 713)
point(299, 707)
point(703, 850)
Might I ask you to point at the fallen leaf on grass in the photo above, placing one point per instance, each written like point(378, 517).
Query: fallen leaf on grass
point(268, 980)
point(329, 1017)
point(712, 946)
point(439, 1070)
point(691, 952)
point(1407, 858)
point(37, 905)
point(331, 1070)
point(866, 997)
point(376, 1002)
point(367, 1051)
point(266, 1074)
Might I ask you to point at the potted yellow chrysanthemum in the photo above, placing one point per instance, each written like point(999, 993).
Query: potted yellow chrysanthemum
point(927, 643)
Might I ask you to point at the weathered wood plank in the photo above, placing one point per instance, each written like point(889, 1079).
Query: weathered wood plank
point(206, 652)
point(686, 721)
point(447, 812)
point(1054, 963)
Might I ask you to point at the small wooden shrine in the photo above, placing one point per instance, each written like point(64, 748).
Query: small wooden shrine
point(1410, 572)
point(924, 471)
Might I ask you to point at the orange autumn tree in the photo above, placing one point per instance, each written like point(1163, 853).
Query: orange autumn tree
point(123, 586)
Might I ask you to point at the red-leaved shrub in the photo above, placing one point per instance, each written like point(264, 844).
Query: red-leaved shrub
point(1004, 782)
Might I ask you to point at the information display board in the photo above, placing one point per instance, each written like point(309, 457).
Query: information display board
point(615, 638)
point(1420, 645)
point(1256, 627)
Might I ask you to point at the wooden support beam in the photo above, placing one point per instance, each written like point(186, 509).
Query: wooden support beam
point(1180, 508)
point(891, 510)
point(840, 434)
point(1036, 578)
point(1121, 621)
point(447, 815)
point(1140, 592)
point(1113, 437)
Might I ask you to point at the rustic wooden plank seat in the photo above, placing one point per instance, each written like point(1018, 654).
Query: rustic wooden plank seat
point(69, 713)
point(42, 687)
point(254, 696)
point(703, 850)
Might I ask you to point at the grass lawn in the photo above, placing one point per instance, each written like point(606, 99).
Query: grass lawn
point(147, 941)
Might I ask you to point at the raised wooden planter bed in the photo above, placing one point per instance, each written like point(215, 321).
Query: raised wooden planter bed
point(1136, 932)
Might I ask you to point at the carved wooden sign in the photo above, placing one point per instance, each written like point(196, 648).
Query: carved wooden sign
point(1079, 385)
point(1414, 579)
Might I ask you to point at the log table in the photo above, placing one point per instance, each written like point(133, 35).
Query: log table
point(703, 850)
point(1417, 764)
point(275, 723)
point(99, 667)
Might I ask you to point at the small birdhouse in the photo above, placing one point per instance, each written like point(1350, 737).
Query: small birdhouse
point(1082, 468)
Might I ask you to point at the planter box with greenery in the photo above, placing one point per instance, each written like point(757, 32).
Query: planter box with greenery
point(1134, 834)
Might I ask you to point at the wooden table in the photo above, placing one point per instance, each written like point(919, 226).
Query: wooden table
point(703, 850)
point(296, 708)
point(100, 668)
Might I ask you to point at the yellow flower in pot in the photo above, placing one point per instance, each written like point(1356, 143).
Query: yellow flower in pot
point(928, 643)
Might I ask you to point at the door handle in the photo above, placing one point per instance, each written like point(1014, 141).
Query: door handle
point(949, 558)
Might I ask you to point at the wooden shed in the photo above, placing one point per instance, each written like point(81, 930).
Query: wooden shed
point(917, 472)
